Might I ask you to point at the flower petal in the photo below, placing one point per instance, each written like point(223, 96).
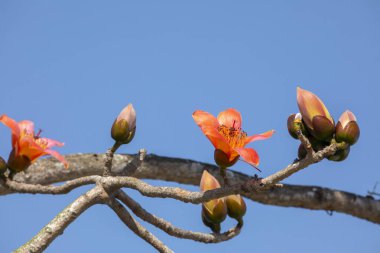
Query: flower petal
point(51, 143)
point(205, 119)
point(26, 127)
point(13, 125)
point(58, 156)
point(249, 156)
point(230, 118)
point(209, 126)
point(259, 137)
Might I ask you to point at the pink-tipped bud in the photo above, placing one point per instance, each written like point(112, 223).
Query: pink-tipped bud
point(236, 207)
point(124, 128)
point(315, 115)
point(214, 211)
point(347, 129)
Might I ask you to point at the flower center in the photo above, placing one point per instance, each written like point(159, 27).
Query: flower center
point(235, 137)
point(41, 142)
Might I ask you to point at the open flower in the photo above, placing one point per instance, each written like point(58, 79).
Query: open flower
point(26, 146)
point(228, 138)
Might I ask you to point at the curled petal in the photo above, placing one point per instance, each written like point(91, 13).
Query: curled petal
point(13, 125)
point(58, 156)
point(249, 156)
point(51, 143)
point(209, 126)
point(230, 118)
point(258, 137)
point(205, 119)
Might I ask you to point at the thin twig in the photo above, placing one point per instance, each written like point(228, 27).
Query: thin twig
point(171, 229)
point(18, 187)
point(136, 227)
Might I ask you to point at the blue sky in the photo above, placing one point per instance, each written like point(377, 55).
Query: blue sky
point(71, 66)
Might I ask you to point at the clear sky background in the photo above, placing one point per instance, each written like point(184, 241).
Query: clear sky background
point(71, 66)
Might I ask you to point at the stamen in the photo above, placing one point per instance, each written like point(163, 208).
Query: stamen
point(235, 137)
point(38, 134)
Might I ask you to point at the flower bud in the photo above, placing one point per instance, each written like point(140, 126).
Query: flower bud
point(215, 227)
point(214, 210)
point(3, 166)
point(315, 115)
point(340, 155)
point(293, 125)
point(347, 129)
point(222, 159)
point(124, 128)
point(17, 163)
point(236, 207)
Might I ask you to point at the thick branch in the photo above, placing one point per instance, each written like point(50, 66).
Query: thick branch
point(47, 171)
point(171, 229)
point(56, 227)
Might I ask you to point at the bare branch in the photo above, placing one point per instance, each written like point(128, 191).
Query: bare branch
point(171, 229)
point(18, 187)
point(48, 171)
point(136, 227)
point(56, 227)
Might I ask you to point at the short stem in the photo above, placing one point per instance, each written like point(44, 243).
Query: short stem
point(108, 160)
point(223, 174)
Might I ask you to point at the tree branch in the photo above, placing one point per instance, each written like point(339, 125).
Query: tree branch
point(172, 230)
point(136, 227)
point(48, 171)
point(56, 227)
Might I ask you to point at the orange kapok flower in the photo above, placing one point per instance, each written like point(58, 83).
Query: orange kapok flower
point(228, 138)
point(26, 146)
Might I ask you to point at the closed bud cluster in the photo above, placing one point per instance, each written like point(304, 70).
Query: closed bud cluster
point(318, 125)
point(124, 128)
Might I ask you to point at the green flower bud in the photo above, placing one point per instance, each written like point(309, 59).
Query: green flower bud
point(222, 159)
point(347, 129)
point(295, 123)
point(214, 210)
point(340, 155)
point(18, 163)
point(236, 207)
point(3, 166)
point(124, 128)
point(215, 227)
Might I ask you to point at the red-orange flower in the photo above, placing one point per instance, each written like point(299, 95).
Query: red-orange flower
point(228, 138)
point(26, 146)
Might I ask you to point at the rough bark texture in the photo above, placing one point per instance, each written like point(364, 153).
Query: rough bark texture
point(48, 171)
